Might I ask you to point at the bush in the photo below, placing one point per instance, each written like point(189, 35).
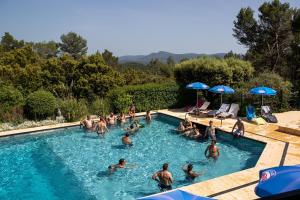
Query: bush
point(40, 104)
point(146, 97)
point(72, 109)
point(100, 107)
point(11, 104)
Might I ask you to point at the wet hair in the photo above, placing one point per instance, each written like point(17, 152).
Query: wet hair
point(213, 141)
point(121, 160)
point(165, 166)
point(127, 135)
point(190, 167)
point(211, 121)
point(148, 111)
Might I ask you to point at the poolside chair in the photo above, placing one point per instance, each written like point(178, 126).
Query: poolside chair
point(266, 113)
point(224, 108)
point(234, 109)
point(202, 108)
point(198, 105)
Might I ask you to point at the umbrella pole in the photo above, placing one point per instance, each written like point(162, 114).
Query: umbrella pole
point(262, 100)
point(197, 100)
point(221, 99)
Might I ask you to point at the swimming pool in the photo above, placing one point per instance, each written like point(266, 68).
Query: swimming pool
point(69, 164)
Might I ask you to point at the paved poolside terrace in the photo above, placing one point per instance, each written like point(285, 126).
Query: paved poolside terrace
point(282, 148)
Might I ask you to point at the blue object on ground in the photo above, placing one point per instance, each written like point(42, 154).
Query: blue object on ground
point(174, 195)
point(250, 110)
point(277, 180)
point(197, 86)
point(263, 91)
point(222, 89)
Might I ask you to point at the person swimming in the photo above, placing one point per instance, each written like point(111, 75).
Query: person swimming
point(181, 127)
point(212, 151)
point(240, 131)
point(134, 127)
point(126, 139)
point(121, 165)
point(189, 173)
point(164, 178)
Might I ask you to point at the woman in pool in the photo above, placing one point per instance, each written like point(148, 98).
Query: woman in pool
point(180, 128)
point(188, 124)
point(131, 111)
point(189, 173)
point(148, 116)
point(195, 133)
point(88, 124)
point(210, 131)
point(101, 127)
point(121, 118)
point(212, 151)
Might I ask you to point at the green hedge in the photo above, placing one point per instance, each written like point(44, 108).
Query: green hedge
point(40, 104)
point(146, 97)
point(213, 71)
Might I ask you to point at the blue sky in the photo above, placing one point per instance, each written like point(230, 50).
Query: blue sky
point(130, 27)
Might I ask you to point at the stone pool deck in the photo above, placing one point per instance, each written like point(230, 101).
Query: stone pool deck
point(281, 149)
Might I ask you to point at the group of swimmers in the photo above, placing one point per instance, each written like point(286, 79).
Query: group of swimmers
point(186, 128)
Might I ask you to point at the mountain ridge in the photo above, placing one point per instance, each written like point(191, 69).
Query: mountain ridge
point(163, 56)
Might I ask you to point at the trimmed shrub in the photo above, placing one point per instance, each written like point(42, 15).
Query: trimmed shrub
point(40, 104)
point(146, 97)
point(72, 109)
point(11, 104)
point(213, 71)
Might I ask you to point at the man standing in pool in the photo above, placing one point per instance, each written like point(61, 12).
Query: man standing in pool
point(164, 178)
point(212, 151)
point(210, 131)
point(126, 139)
point(240, 128)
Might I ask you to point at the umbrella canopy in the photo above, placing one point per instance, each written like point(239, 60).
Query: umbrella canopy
point(174, 195)
point(222, 89)
point(278, 180)
point(263, 91)
point(197, 86)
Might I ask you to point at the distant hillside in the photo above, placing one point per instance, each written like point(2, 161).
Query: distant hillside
point(163, 56)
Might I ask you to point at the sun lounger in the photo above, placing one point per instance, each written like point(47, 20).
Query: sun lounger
point(198, 105)
point(224, 108)
point(202, 108)
point(234, 109)
point(266, 113)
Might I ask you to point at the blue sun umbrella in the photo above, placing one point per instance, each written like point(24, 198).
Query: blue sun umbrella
point(174, 195)
point(197, 86)
point(222, 89)
point(263, 91)
point(278, 180)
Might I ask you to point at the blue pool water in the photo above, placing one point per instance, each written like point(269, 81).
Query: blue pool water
point(69, 164)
